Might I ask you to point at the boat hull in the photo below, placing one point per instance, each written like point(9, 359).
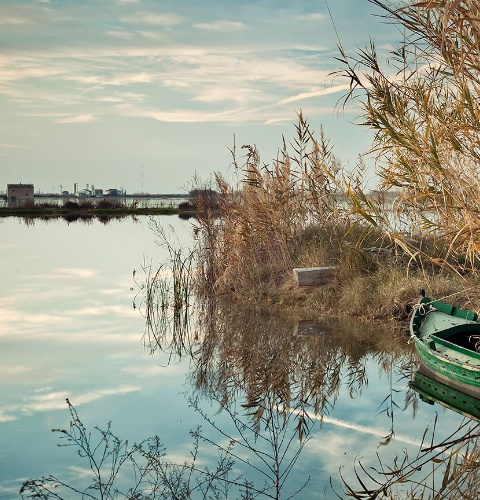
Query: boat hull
point(445, 339)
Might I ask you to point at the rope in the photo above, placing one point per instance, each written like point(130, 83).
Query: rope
point(448, 296)
point(456, 293)
point(432, 308)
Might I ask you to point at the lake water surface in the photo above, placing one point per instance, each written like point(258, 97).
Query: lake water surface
point(69, 329)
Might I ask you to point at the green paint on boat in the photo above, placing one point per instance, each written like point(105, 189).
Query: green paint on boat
point(446, 337)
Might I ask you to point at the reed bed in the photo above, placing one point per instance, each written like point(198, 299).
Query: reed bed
point(274, 219)
point(423, 106)
point(305, 210)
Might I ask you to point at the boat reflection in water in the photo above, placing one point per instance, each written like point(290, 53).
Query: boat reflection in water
point(434, 389)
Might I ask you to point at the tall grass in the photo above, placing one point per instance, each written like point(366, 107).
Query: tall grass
point(305, 210)
point(423, 105)
point(278, 217)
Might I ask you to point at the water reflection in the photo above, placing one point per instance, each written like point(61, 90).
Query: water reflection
point(264, 355)
point(275, 375)
point(432, 389)
point(87, 219)
point(250, 375)
point(444, 466)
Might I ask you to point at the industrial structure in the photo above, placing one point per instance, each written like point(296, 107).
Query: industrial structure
point(19, 194)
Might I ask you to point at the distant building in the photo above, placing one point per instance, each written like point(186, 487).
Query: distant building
point(19, 194)
point(98, 192)
point(85, 193)
point(113, 192)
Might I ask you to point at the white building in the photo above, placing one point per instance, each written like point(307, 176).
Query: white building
point(19, 194)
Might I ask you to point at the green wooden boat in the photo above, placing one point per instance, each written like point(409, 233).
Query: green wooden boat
point(433, 390)
point(446, 338)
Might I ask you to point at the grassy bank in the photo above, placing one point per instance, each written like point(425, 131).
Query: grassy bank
point(86, 209)
point(421, 103)
point(305, 210)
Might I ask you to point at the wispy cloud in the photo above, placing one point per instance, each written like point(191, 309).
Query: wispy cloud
point(151, 18)
point(374, 431)
point(83, 118)
point(11, 20)
point(75, 65)
point(221, 25)
point(314, 16)
point(316, 93)
point(125, 35)
point(76, 272)
point(55, 400)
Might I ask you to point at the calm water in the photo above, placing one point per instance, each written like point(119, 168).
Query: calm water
point(69, 329)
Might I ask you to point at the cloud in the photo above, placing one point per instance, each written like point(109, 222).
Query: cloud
point(104, 310)
point(374, 431)
point(151, 18)
point(226, 93)
point(123, 79)
point(124, 35)
point(76, 272)
point(83, 118)
point(363, 429)
point(12, 20)
point(314, 16)
point(55, 400)
point(6, 417)
point(30, 322)
point(226, 26)
point(153, 371)
point(316, 93)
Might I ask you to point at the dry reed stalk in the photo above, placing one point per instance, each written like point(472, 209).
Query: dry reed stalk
point(255, 244)
point(426, 119)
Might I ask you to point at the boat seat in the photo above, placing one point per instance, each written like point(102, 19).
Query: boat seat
point(454, 311)
point(454, 347)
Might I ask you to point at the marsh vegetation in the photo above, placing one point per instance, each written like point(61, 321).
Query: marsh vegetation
point(305, 209)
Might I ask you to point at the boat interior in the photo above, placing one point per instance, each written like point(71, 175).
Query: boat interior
point(468, 340)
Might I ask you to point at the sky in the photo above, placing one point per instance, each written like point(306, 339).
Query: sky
point(146, 95)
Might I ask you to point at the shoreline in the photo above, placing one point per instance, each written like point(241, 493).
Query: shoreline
point(52, 212)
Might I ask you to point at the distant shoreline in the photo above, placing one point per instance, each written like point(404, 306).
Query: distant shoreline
point(71, 214)
point(134, 195)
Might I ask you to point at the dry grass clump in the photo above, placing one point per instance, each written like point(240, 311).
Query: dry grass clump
point(292, 214)
point(304, 211)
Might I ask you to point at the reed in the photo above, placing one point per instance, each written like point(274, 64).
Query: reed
point(277, 217)
point(305, 210)
point(423, 106)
